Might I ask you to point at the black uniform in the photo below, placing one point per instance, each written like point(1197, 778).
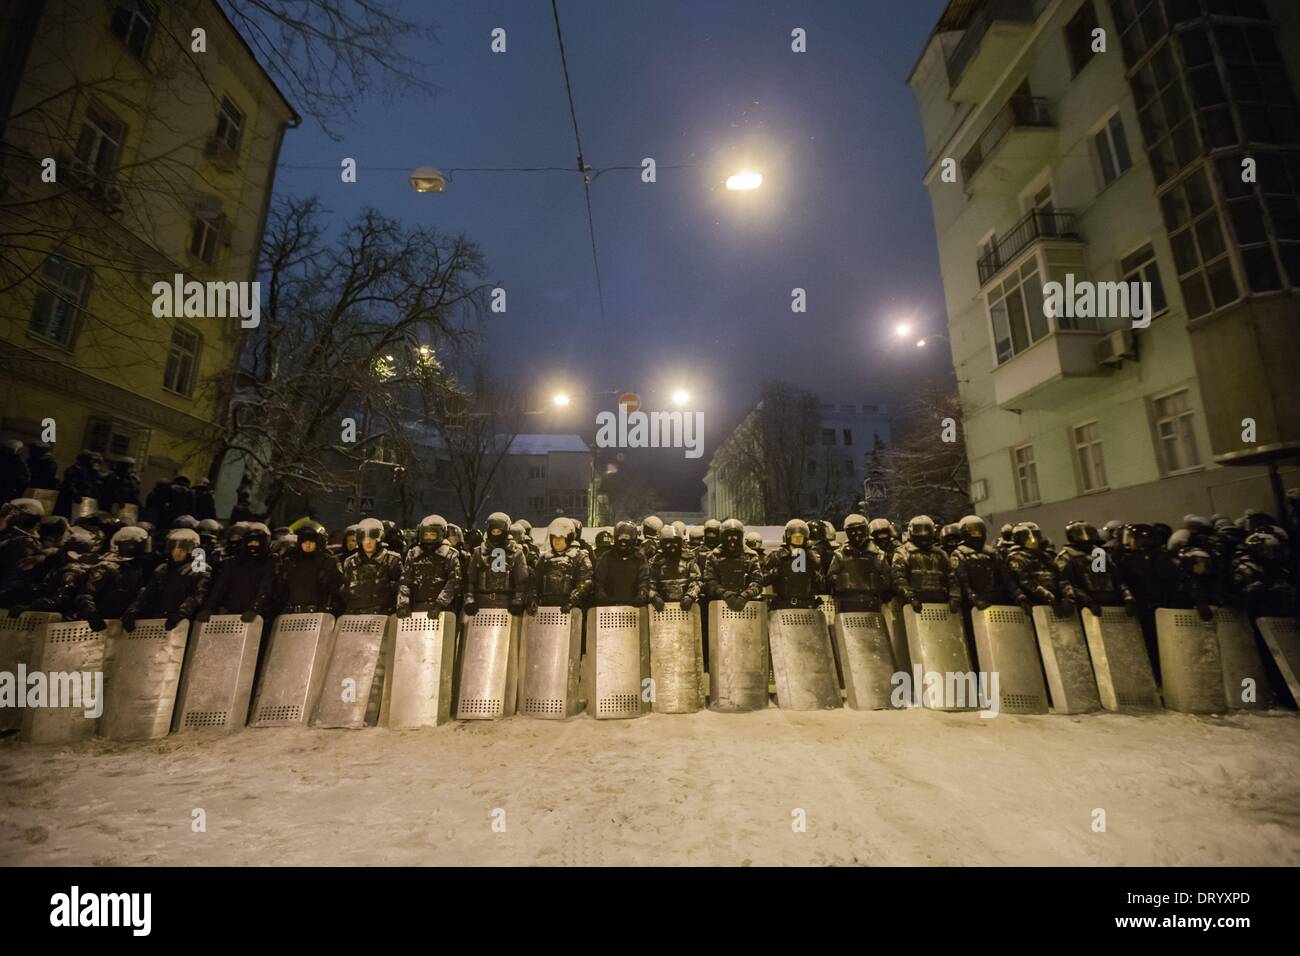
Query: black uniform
point(112, 584)
point(243, 586)
point(794, 573)
point(980, 577)
point(860, 578)
point(430, 579)
point(562, 580)
point(1092, 588)
point(922, 575)
point(175, 591)
point(307, 582)
point(622, 577)
point(371, 582)
point(673, 579)
point(1036, 576)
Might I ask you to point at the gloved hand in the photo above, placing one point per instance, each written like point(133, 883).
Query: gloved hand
point(202, 617)
point(982, 604)
point(471, 606)
point(16, 610)
point(916, 604)
point(565, 608)
point(1064, 608)
point(128, 623)
point(687, 602)
point(734, 601)
point(96, 621)
point(658, 602)
point(173, 620)
point(1026, 605)
point(403, 610)
point(531, 606)
point(248, 616)
point(1095, 607)
point(1130, 607)
point(440, 606)
point(516, 607)
point(1045, 596)
point(1205, 611)
point(954, 605)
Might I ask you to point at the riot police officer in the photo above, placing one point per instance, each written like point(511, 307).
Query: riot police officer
point(622, 575)
point(176, 589)
point(950, 538)
point(921, 569)
point(979, 576)
point(115, 580)
point(20, 551)
point(1035, 574)
point(1261, 577)
point(731, 574)
point(673, 575)
point(63, 582)
point(372, 574)
point(563, 575)
point(711, 535)
point(793, 571)
point(498, 570)
point(859, 577)
point(244, 584)
point(651, 525)
point(431, 571)
point(882, 536)
point(604, 542)
point(1091, 571)
point(308, 579)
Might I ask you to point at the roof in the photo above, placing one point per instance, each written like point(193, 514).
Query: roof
point(546, 444)
point(296, 118)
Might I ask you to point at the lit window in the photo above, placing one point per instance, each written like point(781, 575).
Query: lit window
point(60, 296)
point(1176, 431)
point(1087, 452)
point(1026, 474)
point(182, 369)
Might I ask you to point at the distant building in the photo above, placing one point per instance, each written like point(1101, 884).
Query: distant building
point(163, 163)
point(834, 466)
point(1050, 161)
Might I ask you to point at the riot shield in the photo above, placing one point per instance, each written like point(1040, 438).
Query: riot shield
point(353, 686)
point(417, 688)
point(1119, 660)
point(1004, 641)
point(489, 667)
point(550, 654)
point(936, 644)
point(738, 661)
point(1070, 679)
point(17, 645)
point(1190, 665)
point(1282, 638)
point(293, 670)
point(68, 660)
point(802, 660)
point(1246, 682)
point(618, 661)
point(676, 660)
point(867, 656)
point(891, 612)
point(217, 678)
point(142, 673)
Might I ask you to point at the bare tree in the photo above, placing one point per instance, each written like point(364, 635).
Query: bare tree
point(762, 464)
point(926, 470)
point(630, 497)
point(350, 348)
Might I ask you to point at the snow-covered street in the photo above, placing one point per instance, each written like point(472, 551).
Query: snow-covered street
point(733, 789)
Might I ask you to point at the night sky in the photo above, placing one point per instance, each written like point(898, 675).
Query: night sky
point(697, 278)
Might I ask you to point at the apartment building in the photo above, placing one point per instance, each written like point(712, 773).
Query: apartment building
point(1103, 141)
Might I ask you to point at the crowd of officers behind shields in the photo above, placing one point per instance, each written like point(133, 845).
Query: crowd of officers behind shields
point(96, 567)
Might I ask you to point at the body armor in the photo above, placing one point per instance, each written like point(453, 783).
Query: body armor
point(859, 578)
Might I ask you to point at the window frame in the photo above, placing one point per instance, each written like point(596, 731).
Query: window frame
point(1095, 467)
point(1075, 67)
point(235, 121)
point(1156, 420)
point(1138, 274)
point(195, 356)
point(152, 10)
point(1030, 464)
point(1104, 128)
point(58, 294)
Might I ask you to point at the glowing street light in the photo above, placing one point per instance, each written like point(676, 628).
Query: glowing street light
point(428, 179)
point(560, 399)
point(745, 180)
point(681, 396)
point(903, 329)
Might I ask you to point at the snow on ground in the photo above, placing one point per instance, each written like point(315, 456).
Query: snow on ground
point(882, 788)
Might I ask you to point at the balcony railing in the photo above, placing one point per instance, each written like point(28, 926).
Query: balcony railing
point(992, 11)
point(1038, 225)
point(1021, 112)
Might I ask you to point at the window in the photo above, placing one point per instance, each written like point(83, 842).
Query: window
point(112, 438)
point(1016, 312)
point(60, 296)
point(1026, 474)
point(1166, 116)
point(1112, 150)
point(182, 367)
point(848, 466)
point(828, 436)
point(812, 468)
point(536, 471)
point(1200, 251)
point(132, 23)
point(203, 240)
point(1141, 267)
point(536, 504)
point(1087, 453)
point(1176, 432)
point(848, 437)
point(99, 144)
point(1078, 37)
point(230, 124)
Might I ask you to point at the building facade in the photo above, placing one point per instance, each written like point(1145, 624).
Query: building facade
point(833, 466)
point(139, 142)
point(1103, 142)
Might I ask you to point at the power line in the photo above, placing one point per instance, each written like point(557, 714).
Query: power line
point(582, 165)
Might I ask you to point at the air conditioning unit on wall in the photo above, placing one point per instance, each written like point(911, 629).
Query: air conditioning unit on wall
point(1116, 347)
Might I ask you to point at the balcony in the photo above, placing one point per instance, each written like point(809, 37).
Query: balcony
point(992, 38)
point(1013, 146)
point(1059, 368)
point(1041, 225)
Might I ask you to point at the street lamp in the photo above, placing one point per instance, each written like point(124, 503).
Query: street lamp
point(428, 179)
point(560, 399)
point(902, 330)
point(921, 343)
point(745, 180)
point(681, 396)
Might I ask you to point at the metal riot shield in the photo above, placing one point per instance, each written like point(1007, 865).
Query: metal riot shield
point(1282, 637)
point(17, 645)
point(1245, 680)
point(353, 686)
point(550, 654)
point(802, 660)
point(84, 508)
point(142, 672)
point(618, 660)
point(867, 657)
point(293, 669)
point(936, 644)
point(48, 497)
point(128, 513)
point(1190, 665)
point(1119, 660)
point(737, 657)
point(420, 664)
point(676, 660)
point(217, 679)
point(489, 675)
point(1065, 659)
point(1005, 643)
point(891, 612)
point(68, 658)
